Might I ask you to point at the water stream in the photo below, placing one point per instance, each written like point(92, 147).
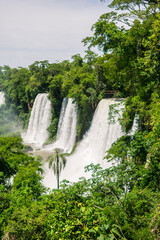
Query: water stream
point(66, 133)
point(2, 98)
point(39, 121)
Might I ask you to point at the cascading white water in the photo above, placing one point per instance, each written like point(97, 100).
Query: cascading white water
point(66, 134)
point(134, 125)
point(95, 143)
point(2, 99)
point(66, 137)
point(39, 121)
point(62, 113)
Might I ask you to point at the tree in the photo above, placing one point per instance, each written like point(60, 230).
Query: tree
point(133, 9)
point(20, 180)
point(57, 162)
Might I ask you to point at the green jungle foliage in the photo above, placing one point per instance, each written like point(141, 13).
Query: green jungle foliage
point(122, 202)
point(115, 203)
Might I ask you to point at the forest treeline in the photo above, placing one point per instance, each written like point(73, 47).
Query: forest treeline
point(122, 202)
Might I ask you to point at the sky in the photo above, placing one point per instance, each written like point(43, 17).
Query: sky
point(37, 30)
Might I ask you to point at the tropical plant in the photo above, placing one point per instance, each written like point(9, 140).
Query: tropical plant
point(57, 162)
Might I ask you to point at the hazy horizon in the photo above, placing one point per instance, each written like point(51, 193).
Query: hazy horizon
point(45, 29)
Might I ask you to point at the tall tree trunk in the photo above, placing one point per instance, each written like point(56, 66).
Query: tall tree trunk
point(58, 170)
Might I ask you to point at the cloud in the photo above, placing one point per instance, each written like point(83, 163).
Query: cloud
point(44, 29)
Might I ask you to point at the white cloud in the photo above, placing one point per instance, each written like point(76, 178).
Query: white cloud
point(45, 29)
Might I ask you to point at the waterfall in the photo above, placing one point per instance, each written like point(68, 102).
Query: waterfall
point(2, 99)
point(94, 144)
point(135, 125)
point(66, 133)
point(39, 121)
point(62, 113)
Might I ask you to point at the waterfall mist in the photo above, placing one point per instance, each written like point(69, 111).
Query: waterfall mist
point(8, 125)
